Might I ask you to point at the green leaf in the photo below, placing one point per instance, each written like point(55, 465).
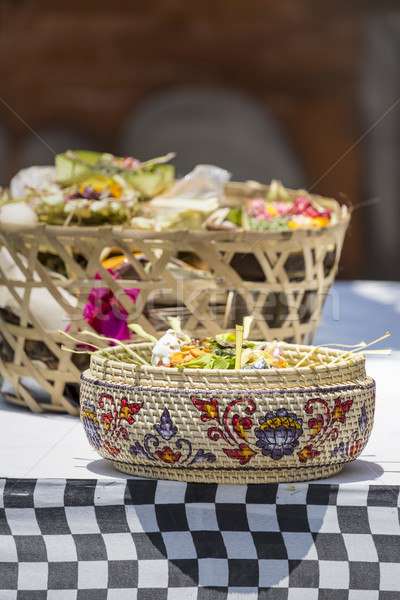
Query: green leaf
point(149, 178)
point(210, 361)
point(224, 362)
point(70, 171)
point(225, 337)
point(140, 331)
point(205, 361)
point(235, 216)
point(152, 182)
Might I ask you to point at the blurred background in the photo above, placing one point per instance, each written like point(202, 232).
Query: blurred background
point(304, 91)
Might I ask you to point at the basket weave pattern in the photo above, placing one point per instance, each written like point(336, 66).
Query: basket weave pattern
point(243, 426)
point(281, 278)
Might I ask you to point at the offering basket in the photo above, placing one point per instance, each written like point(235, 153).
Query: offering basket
point(229, 426)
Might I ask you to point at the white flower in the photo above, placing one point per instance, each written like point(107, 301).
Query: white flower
point(38, 179)
point(53, 199)
point(170, 342)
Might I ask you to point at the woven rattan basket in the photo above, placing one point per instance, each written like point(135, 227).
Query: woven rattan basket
point(281, 278)
point(233, 426)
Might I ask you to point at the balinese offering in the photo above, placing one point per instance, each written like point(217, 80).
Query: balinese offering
point(99, 241)
point(277, 211)
point(167, 409)
point(176, 350)
point(88, 188)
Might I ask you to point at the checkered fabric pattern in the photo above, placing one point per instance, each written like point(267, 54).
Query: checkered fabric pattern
point(162, 540)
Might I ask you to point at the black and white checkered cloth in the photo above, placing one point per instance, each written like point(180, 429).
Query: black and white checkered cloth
point(161, 540)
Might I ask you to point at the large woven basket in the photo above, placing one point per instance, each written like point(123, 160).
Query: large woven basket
point(232, 426)
point(281, 278)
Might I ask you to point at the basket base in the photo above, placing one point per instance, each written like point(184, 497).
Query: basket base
point(232, 476)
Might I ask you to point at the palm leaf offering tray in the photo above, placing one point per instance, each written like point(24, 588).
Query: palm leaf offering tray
point(98, 242)
point(92, 188)
point(302, 414)
point(88, 188)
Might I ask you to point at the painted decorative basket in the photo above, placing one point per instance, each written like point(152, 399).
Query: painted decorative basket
point(229, 426)
point(281, 278)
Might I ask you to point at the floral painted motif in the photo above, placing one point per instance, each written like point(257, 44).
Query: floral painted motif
point(243, 454)
point(138, 450)
point(113, 450)
point(127, 411)
point(202, 456)
point(354, 445)
point(166, 428)
point(307, 452)
point(363, 420)
point(208, 408)
point(229, 426)
point(339, 450)
point(168, 455)
point(113, 419)
point(355, 448)
point(323, 426)
point(232, 428)
point(91, 424)
point(241, 425)
point(340, 410)
point(278, 433)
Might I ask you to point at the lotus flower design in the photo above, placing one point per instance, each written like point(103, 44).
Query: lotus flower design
point(278, 433)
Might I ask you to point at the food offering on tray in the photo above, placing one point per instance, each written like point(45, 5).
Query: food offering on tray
point(93, 188)
point(198, 202)
point(225, 351)
point(86, 188)
point(278, 211)
point(220, 352)
point(176, 349)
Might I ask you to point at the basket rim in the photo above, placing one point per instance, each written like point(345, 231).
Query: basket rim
point(342, 213)
point(359, 359)
point(238, 234)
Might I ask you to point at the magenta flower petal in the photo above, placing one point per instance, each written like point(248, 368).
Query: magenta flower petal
point(105, 314)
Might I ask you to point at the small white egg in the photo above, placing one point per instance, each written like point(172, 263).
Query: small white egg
point(18, 212)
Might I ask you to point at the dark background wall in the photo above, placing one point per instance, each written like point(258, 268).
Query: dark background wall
point(304, 91)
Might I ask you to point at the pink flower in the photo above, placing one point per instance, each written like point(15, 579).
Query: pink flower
point(300, 205)
point(257, 209)
point(130, 163)
point(282, 208)
point(106, 314)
